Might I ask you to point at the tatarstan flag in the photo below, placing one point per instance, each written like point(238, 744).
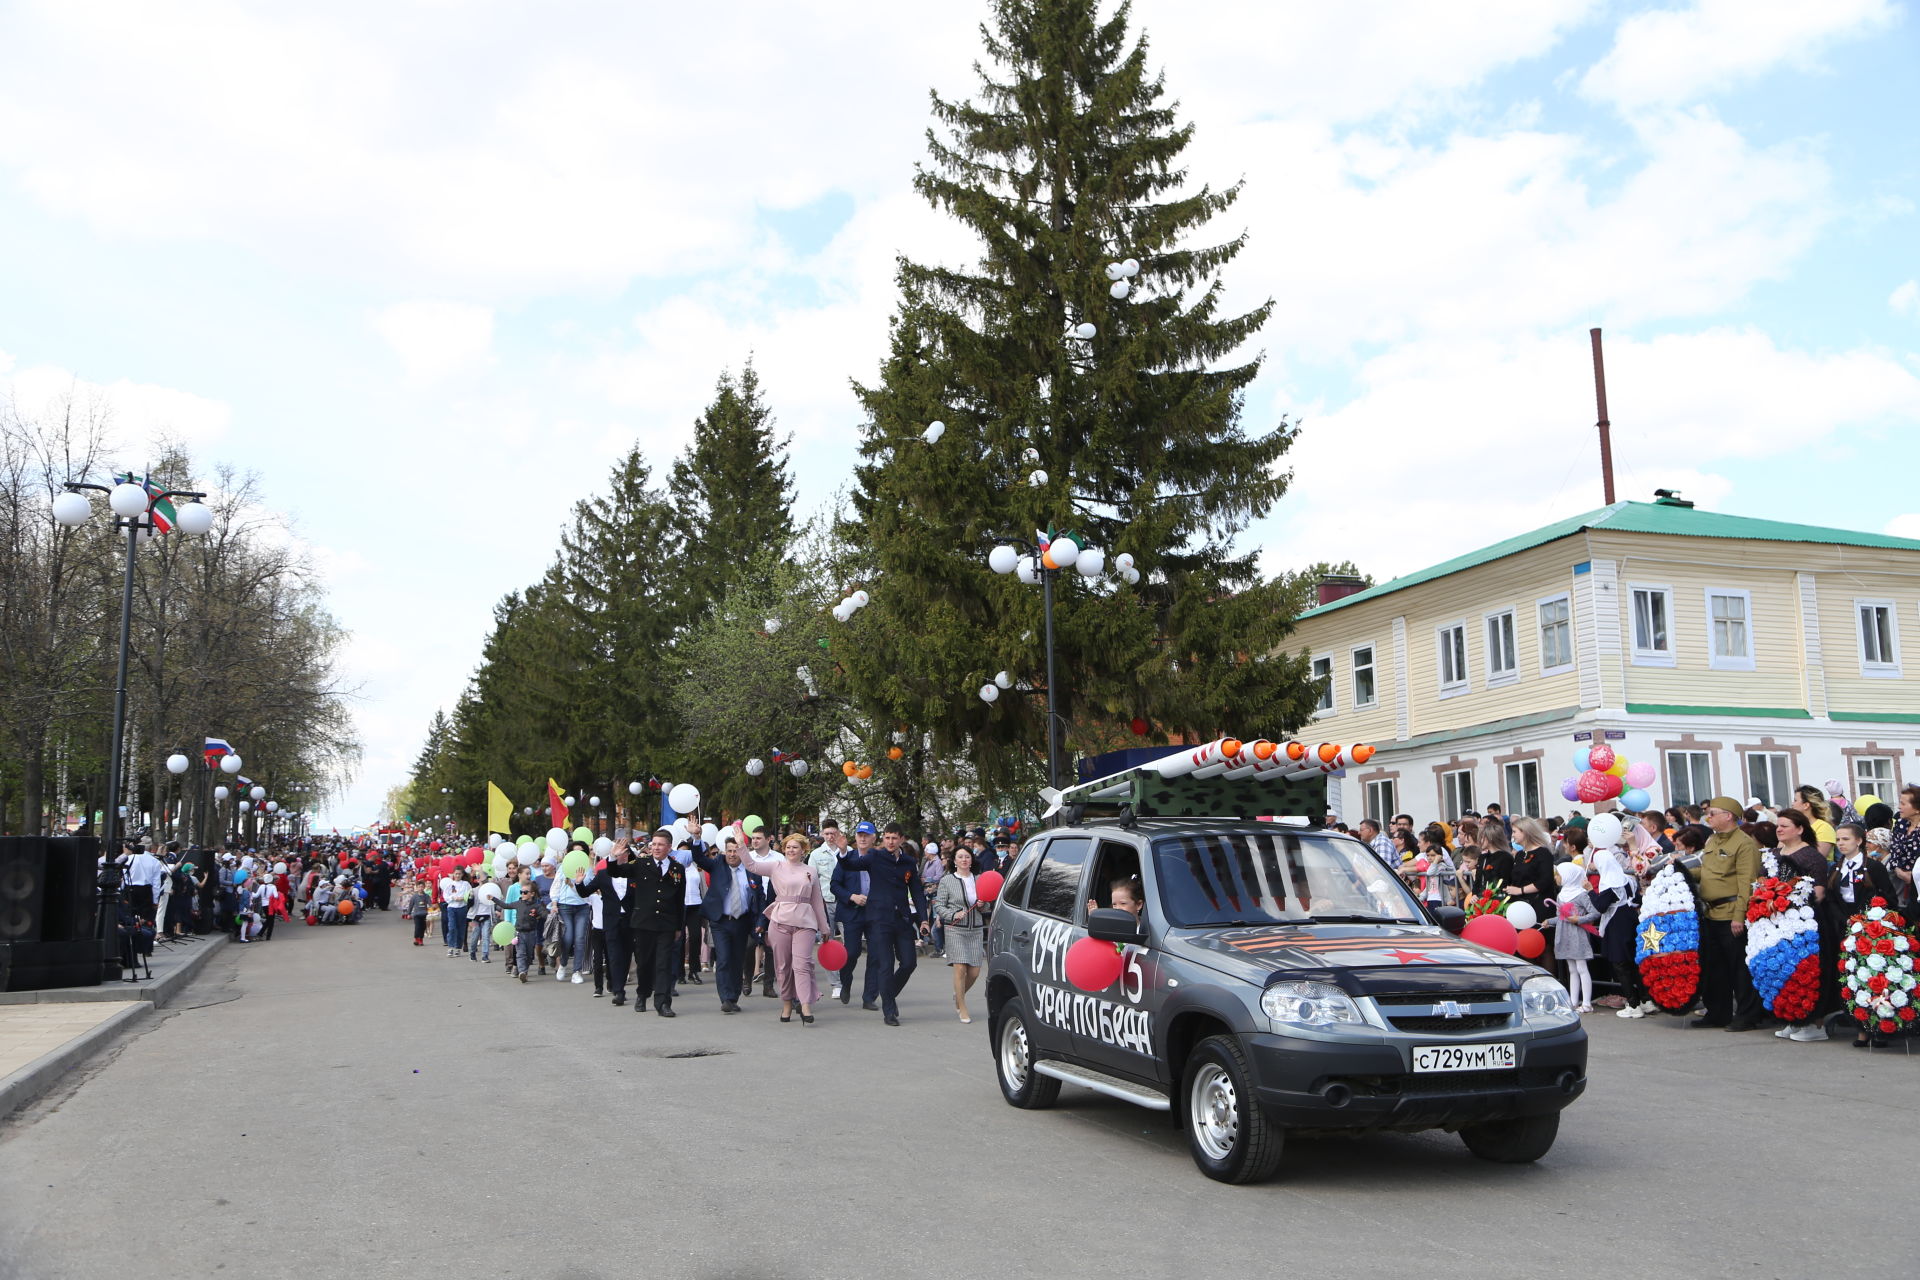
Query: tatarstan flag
point(556, 803)
point(162, 511)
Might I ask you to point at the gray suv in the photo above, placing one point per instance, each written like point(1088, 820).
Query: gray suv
point(1272, 977)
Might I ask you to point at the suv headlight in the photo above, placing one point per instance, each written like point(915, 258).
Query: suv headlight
point(1308, 1004)
point(1544, 1000)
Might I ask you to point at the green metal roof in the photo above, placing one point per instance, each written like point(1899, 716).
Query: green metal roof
point(1633, 517)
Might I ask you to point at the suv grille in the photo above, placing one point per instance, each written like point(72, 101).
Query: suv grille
point(1467, 1022)
point(1431, 998)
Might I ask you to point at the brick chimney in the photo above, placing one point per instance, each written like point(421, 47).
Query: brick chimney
point(1327, 590)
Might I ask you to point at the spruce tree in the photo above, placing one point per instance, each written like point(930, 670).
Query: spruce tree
point(733, 491)
point(1068, 160)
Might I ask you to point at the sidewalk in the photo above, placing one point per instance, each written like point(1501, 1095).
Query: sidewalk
point(46, 1034)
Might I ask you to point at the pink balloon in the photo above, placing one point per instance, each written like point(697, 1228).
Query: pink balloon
point(1495, 932)
point(1641, 773)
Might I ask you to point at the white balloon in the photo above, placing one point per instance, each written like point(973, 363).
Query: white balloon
point(1026, 572)
point(1119, 288)
point(1130, 575)
point(1605, 830)
point(1115, 271)
point(177, 763)
point(71, 509)
point(194, 518)
point(557, 840)
point(1002, 558)
point(933, 432)
point(709, 834)
point(685, 797)
point(860, 599)
point(1085, 330)
point(798, 768)
point(593, 801)
point(989, 693)
point(756, 767)
point(1064, 552)
point(1037, 479)
point(1130, 268)
point(230, 763)
point(635, 788)
point(221, 793)
point(1032, 454)
point(681, 831)
point(603, 846)
point(1124, 560)
point(840, 612)
point(128, 501)
point(1521, 915)
point(770, 625)
point(1092, 562)
point(1004, 680)
point(567, 801)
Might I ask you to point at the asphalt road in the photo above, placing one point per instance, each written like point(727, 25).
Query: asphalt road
point(338, 1102)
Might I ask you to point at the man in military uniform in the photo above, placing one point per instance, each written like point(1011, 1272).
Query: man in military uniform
point(656, 912)
point(895, 911)
point(1729, 864)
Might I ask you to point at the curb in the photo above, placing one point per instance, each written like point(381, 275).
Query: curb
point(158, 992)
point(40, 1075)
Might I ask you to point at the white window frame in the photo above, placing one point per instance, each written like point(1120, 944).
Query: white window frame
point(1511, 675)
point(1464, 682)
point(1649, 657)
point(1383, 814)
point(1887, 668)
point(1565, 598)
point(1372, 665)
point(1779, 768)
point(1451, 807)
point(1673, 792)
point(1877, 785)
point(1518, 805)
point(1734, 663)
point(1327, 692)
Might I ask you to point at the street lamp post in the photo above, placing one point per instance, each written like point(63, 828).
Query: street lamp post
point(1040, 562)
point(135, 509)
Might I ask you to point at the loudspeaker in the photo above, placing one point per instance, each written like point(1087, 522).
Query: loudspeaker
point(71, 889)
point(23, 887)
point(47, 897)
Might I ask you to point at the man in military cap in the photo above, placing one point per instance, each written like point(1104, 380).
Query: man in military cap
point(1729, 864)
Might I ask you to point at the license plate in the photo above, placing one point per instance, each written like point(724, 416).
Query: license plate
point(1463, 1057)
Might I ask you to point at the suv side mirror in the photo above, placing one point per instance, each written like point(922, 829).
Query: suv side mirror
point(1452, 919)
point(1110, 924)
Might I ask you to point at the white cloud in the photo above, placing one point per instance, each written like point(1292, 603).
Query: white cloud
point(1904, 526)
point(1451, 445)
point(435, 339)
point(138, 415)
point(1905, 300)
point(1669, 56)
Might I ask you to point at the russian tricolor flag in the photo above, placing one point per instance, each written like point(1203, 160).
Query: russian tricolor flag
point(215, 748)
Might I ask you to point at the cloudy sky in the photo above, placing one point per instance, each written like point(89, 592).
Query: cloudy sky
point(429, 265)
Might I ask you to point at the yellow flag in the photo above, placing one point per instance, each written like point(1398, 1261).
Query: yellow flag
point(499, 810)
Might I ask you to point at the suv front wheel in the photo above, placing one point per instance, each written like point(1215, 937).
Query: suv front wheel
point(1229, 1133)
point(1520, 1140)
point(1013, 1057)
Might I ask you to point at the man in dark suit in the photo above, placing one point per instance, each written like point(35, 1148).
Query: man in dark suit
point(616, 935)
point(895, 912)
point(850, 915)
point(732, 904)
point(656, 910)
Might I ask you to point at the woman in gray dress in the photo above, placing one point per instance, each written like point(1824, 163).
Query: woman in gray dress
point(957, 906)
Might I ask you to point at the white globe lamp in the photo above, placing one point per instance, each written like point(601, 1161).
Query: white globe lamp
point(128, 501)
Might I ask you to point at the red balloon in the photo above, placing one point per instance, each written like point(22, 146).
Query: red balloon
point(986, 885)
point(1093, 965)
point(1495, 932)
point(1139, 727)
point(1530, 944)
point(1591, 786)
point(1600, 757)
point(435, 846)
point(833, 954)
point(476, 853)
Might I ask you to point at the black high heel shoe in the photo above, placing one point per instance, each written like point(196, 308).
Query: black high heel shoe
point(806, 1019)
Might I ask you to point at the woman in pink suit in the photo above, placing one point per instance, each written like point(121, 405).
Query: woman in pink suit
point(795, 920)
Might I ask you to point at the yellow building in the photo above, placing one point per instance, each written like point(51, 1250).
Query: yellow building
point(1744, 656)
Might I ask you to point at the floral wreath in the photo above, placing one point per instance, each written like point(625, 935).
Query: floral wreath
point(1876, 970)
point(1783, 944)
point(1667, 944)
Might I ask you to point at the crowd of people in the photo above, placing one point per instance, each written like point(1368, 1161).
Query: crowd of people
point(674, 910)
point(1588, 896)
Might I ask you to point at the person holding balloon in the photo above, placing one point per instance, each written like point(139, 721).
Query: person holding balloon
point(575, 916)
point(1572, 918)
point(796, 920)
point(957, 906)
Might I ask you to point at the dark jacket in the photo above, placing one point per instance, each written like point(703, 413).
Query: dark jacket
point(894, 892)
point(713, 903)
point(1871, 881)
point(657, 898)
point(529, 913)
point(845, 884)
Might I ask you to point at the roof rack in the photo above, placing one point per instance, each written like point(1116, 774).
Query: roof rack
point(1225, 778)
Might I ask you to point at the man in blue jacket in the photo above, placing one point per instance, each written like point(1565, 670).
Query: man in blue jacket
point(894, 913)
point(850, 913)
point(732, 903)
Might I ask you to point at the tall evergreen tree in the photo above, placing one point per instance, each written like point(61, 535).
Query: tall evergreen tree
point(734, 474)
point(1068, 160)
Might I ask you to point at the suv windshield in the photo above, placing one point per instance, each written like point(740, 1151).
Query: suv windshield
point(1275, 876)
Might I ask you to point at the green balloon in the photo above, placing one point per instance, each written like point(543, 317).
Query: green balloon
point(502, 934)
point(583, 835)
point(524, 841)
point(751, 823)
point(575, 864)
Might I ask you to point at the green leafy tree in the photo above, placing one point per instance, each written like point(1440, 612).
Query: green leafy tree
point(733, 492)
point(1068, 161)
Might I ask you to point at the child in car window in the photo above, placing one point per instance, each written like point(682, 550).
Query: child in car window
point(1127, 895)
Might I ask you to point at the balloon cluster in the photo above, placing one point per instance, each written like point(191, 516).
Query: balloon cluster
point(850, 606)
point(1059, 551)
point(1606, 774)
point(853, 769)
point(1122, 274)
